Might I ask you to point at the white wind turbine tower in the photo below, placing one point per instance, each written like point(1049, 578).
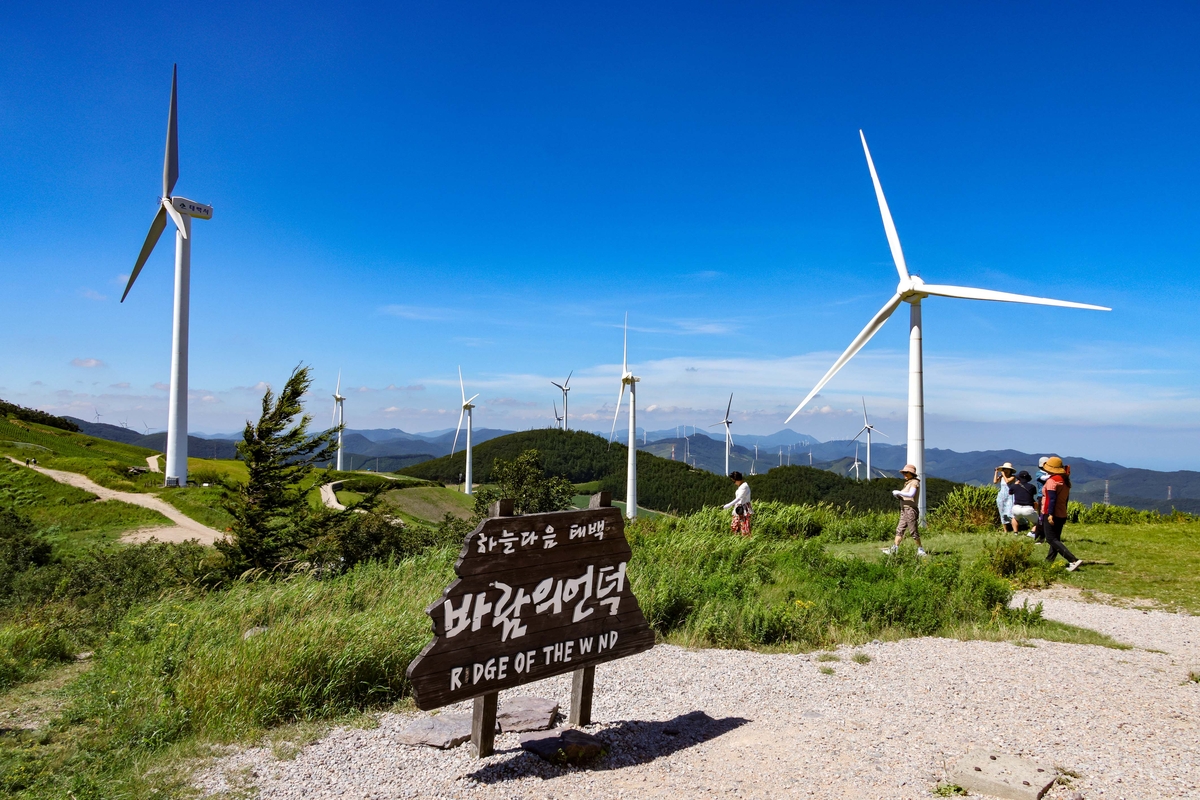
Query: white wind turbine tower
point(564, 387)
point(466, 411)
point(181, 211)
point(728, 437)
point(913, 290)
point(869, 429)
point(339, 417)
point(628, 379)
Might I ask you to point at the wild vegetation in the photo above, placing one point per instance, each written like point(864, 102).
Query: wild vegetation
point(34, 415)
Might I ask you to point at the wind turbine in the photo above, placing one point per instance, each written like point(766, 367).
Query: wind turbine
point(728, 437)
point(913, 290)
point(466, 411)
point(754, 463)
point(564, 387)
point(854, 466)
point(557, 419)
point(339, 417)
point(628, 379)
point(97, 414)
point(181, 211)
point(869, 429)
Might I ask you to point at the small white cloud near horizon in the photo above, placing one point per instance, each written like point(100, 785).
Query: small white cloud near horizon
point(87, 363)
point(121, 385)
point(162, 387)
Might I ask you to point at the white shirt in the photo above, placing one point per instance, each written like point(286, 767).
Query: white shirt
point(741, 498)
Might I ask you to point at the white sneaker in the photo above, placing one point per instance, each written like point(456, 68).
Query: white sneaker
point(889, 551)
point(1074, 565)
point(1031, 535)
point(921, 551)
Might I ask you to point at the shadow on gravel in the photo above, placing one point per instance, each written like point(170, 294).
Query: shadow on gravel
point(629, 743)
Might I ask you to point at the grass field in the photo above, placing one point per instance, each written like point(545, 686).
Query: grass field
point(429, 503)
point(1159, 562)
point(70, 518)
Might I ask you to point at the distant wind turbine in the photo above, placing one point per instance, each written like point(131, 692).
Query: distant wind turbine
point(339, 417)
point(557, 419)
point(868, 428)
point(856, 463)
point(630, 380)
point(912, 290)
point(466, 411)
point(565, 387)
point(728, 436)
point(181, 211)
point(97, 414)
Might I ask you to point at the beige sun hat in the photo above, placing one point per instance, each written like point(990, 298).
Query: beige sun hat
point(1008, 466)
point(908, 469)
point(1054, 466)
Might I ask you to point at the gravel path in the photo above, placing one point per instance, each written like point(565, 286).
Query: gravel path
point(1124, 720)
point(184, 529)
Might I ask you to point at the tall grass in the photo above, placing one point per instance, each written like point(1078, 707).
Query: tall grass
point(968, 508)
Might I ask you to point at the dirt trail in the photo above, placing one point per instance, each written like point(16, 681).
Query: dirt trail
point(329, 497)
point(152, 463)
point(184, 529)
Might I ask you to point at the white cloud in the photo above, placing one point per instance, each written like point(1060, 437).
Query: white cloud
point(87, 363)
point(121, 385)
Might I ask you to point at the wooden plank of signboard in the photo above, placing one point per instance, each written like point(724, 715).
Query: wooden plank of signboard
point(432, 686)
point(540, 630)
point(544, 559)
point(565, 549)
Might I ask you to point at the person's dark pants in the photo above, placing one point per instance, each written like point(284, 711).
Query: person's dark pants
point(1053, 534)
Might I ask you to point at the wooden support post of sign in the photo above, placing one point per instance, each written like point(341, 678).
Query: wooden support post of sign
point(483, 724)
point(581, 696)
point(584, 680)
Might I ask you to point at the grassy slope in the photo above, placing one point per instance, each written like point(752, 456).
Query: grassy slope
point(1158, 562)
point(70, 518)
point(429, 503)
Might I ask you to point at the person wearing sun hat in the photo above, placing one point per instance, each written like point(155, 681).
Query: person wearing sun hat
point(1003, 475)
point(1054, 511)
point(908, 496)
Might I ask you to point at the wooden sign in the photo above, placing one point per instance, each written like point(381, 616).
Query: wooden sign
point(536, 596)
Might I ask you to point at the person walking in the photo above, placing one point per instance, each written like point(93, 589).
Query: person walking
point(740, 505)
point(1054, 511)
point(1023, 503)
point(908, 497)
point(1003, 475)
point(1039, 484)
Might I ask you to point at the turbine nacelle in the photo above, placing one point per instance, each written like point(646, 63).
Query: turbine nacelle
point(910, 289)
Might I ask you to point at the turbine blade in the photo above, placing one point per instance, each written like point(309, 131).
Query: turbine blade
point(860, 433)
point(729, 406)
point(567, 382)
point(338, 390)
point(176, 217)
point(625, 351)
point(156, 228)
point(620, 397)
point(462, 390)
point(171, 159)
point(552, 383)
point(333, 420)
point(472, 397)
point(881, 433)
point(865, 422)
point(863, 337)
point(454, 446)
point(889, 227)
point(970, 293)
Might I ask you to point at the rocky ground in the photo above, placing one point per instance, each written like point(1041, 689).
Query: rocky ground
point(1118, 723)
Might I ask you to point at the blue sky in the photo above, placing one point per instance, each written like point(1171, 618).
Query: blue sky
point(403, 189)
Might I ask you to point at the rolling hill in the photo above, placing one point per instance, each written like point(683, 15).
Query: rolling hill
point(664, 485)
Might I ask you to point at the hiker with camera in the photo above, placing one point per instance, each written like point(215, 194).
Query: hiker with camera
point(909, 498)
point(740, 505)
point(1005, 477)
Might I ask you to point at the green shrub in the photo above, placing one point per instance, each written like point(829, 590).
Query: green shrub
point(27, 649)
point(968, 508)
point(1100, 514)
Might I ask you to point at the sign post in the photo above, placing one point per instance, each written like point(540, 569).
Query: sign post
point(536, 596)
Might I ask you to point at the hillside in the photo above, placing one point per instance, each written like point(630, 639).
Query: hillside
point(664, 485)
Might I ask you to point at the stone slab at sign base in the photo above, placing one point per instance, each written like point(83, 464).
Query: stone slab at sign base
point(443, 731)
point(1002, 775)
point(566, 746)
point(521, 714)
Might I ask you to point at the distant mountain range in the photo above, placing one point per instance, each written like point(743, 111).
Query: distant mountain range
point(389, 449)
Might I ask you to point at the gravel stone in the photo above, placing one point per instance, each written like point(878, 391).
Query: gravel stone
point(1123, 720)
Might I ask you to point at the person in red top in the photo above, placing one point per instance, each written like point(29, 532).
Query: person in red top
point(1054, 511)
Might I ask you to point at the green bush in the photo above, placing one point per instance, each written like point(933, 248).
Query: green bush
point(1100, 514)
point(26, 649)
point(968, 508)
